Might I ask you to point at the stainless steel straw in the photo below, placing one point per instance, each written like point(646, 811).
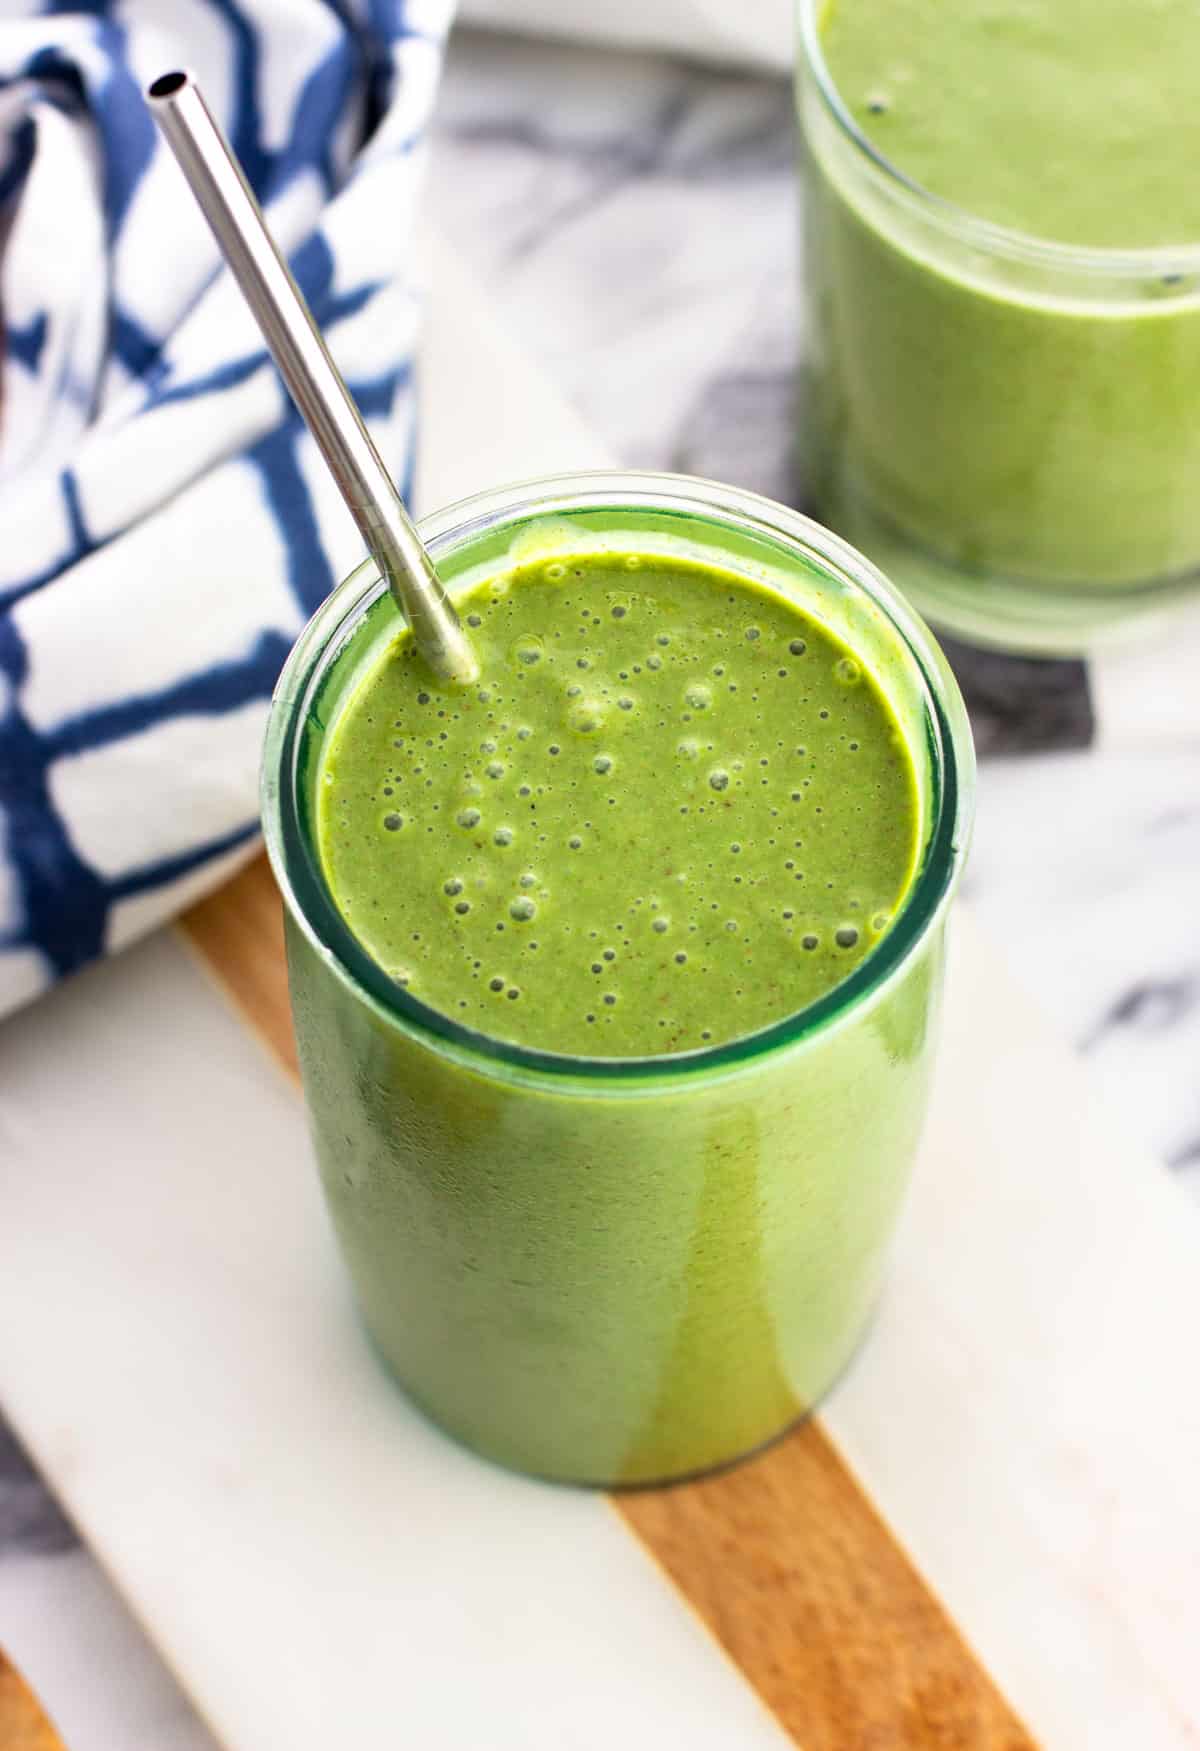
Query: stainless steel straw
point(317, 387)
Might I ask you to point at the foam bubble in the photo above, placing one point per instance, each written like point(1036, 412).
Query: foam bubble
point(586, 717)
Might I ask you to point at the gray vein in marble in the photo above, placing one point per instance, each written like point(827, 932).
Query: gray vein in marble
point(666, 144)
point(1153, 1005)
point(1186, 1156)
point(31, 1522)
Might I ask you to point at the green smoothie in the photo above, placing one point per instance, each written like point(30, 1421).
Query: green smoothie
point(676, 811)
point(615, 976)
point(1008, 420)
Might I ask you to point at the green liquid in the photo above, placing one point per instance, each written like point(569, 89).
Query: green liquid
point(1013, 444)
point(1074, 120)
point(675, 811)
point(630, 1274)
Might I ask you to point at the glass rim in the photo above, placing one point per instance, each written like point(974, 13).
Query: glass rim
point(1152, 262)
point(306, 896)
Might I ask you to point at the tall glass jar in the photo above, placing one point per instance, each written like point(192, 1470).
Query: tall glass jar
point(618, 1271)
point(1009, 427)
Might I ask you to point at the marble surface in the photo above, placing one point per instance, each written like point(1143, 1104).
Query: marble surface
point(632, 221)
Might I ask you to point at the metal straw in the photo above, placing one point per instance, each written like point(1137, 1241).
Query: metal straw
point(317, 387)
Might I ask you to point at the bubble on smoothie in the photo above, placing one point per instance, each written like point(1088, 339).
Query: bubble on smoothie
point(496, 984)
point(660, 926)
point(697, 695)
point(528, 879)
point(810, 942)
point(393, 822)
point(602, 764)
point(880, 922)
point(495, 769)
point(847, 672)
point(753, 634)
point(503, 836)
point(586, 717)
point(452, 887)
point(797, 647)
point(846, 936)
point(522, 909)
point(718, 779)
point(529, 650)
point(625, 702)
point(554, 572)
point(468, 817)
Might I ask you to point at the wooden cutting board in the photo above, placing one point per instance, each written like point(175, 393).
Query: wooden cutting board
point(24, 1725)
point(783, 1557)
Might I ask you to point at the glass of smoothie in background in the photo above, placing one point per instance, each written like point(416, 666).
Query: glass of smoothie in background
point(615, 976)
point(1002, 386)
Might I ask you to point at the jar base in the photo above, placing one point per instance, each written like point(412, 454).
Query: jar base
point(998, 611)
point(619, 1483)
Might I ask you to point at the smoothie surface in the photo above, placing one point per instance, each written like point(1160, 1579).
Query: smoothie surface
point(674, 811)
point(1072, 120)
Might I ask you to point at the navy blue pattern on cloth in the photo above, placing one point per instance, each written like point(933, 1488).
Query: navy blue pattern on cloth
point(166, 525)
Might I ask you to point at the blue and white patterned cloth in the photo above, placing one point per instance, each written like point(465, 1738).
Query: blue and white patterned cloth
point(166, 526)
